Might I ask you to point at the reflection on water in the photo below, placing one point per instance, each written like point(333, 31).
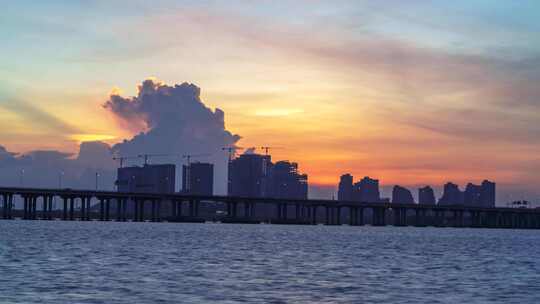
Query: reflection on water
point(95, 262)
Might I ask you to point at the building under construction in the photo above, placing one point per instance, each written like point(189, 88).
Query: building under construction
point(254, 175)
point(198, 178)
point(147, 179)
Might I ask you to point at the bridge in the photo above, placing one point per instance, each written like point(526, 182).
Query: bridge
point(87, 205)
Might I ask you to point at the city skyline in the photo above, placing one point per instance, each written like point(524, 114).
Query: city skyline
point(386, 95)
point(289, 151)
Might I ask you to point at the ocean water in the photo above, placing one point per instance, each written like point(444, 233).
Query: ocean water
point(96, 262)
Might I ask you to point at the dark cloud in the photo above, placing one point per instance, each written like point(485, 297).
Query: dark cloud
point(173, 120)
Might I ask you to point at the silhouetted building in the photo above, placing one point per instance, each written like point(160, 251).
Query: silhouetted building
point(147, 179)
point(286, 182)
point(345, 188)
point(249, 175)
point(480, 195)
point(198, 178)
point(426, 196)
point(451, 195)
point(402, 195)
point(366, 190)
point(471, 196)
point(487, 194)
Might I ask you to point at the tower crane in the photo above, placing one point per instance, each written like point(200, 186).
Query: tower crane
point(122, 158)
point(266, 148)
point(147, 156)
point(189, 156)
point(231, 151)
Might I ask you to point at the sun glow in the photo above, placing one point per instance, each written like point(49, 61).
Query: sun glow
point(277, 112)
point(91, 137)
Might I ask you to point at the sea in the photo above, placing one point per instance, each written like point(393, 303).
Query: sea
point(109, 262)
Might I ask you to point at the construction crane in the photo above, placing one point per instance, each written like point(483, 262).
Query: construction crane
point(147, 156)
point(232, 151)
point(122, 158)
point(265, 148)
point(189, 156)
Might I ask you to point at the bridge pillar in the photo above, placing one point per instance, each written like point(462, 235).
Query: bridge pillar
point(124, 201)
point(456, 222)
point(101, 209)
point(234, 210)
point(118, 213)
point(154, 211)
point(174, 209)
point(51, 199)
point(474, 219)
point(352, 216)
point(159, 210)
point(327, 218)
point(508, 223)
point(141, 210)
point(246, 209)
point(5, 205)
point(28, 207)
point(83, 209)
point(314, 214)
point(338, 215)
point(135, 209)
point(379, 216)
point(10, 206)
point(71, 208)
point(33, 207)
point(419, 217)
point(437, 218)
point(179, 208)
point(252, 209)
point(192, 208)
point(360, 216)
point(45, 199)
point(25, 207)
point(107, 209)
point(396, 212)
point(65, 207)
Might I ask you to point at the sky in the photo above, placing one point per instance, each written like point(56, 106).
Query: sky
point(409, 92)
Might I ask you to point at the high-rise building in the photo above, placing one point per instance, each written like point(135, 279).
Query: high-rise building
point(345, 188)
point(426, 196)
point(487, 194)
point(286, 182)
point(249, 175)
point(147, 179)
point(480, 195)
point(198, 178)
point(471, 195)
point(451, 195)
point(367, 190)
point(401, 195)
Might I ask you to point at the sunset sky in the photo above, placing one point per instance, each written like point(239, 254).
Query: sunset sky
point(410, 92)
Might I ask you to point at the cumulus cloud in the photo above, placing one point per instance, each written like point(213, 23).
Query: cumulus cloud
point(170, 120)
point(173, 120)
